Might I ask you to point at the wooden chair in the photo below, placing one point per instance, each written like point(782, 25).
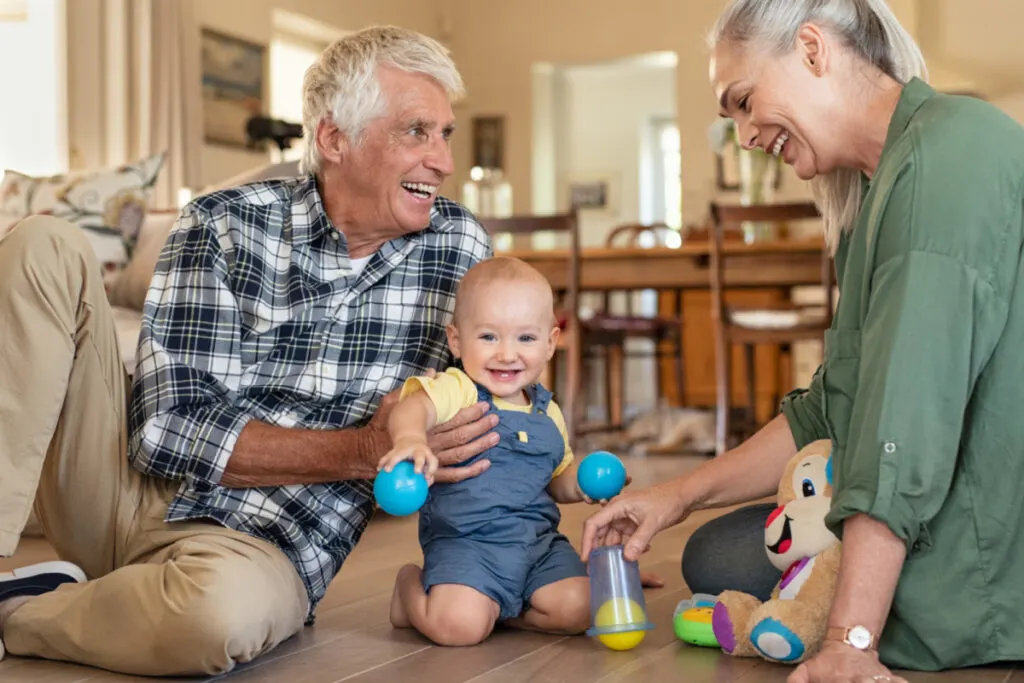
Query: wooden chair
point(571, 399)
point(781, 325)
point(665, 332)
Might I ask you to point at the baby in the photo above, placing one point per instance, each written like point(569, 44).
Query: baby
point(491, 546)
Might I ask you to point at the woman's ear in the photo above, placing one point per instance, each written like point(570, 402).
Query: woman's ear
point(813, 45)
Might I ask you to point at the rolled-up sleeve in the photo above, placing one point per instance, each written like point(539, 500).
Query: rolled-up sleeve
point(928, 329)
point(802, 409)
point(184, 418)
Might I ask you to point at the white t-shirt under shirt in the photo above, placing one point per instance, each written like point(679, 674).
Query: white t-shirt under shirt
point(359, 263)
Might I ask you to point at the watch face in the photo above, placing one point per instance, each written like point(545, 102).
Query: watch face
point(859, 637)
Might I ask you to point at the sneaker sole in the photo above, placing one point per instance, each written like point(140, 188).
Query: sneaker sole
point(36, 579)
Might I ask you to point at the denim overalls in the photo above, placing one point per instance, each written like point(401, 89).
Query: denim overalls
point(498, 532)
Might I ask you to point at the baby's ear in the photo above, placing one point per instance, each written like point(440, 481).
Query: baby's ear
point(453, 340)
point(553, 337)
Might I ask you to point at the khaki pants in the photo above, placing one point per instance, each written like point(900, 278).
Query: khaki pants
point(163, 599)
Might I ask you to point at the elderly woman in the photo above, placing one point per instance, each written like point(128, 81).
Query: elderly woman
point(923, 377)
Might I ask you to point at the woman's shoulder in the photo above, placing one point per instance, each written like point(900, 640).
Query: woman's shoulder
point(966, 136)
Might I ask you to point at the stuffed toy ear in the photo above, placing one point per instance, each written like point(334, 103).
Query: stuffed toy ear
point(828, 468)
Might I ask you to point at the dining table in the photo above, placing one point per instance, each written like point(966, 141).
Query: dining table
point(764, 271)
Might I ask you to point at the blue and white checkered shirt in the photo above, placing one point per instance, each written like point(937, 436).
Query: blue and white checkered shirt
point(255, 312)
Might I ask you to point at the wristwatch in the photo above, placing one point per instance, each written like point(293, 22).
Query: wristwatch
point(858, 637)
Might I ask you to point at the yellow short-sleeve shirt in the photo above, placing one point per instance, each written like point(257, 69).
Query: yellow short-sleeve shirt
point(453, 390)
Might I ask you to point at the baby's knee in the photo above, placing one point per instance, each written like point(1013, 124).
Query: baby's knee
point(566, 605)
point(460, 624)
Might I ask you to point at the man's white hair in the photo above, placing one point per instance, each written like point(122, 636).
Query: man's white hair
point(343, 83)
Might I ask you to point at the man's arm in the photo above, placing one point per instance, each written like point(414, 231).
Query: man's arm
point(265, 455)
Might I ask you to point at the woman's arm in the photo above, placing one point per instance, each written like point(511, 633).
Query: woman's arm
point(750, 471)
point(872, 559)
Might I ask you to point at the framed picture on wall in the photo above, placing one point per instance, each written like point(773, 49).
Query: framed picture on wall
point(489, 141)
point(234, 86)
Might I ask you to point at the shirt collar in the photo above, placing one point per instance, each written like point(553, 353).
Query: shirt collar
point(310, 220)
point(915, 93)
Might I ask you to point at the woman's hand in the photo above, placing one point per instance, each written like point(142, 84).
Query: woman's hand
point(632, 519)
point(840, 663)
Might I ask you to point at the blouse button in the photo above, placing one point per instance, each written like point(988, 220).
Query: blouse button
point(890, 447)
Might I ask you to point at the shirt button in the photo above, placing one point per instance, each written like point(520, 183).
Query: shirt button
point(334, 236)
point(890, 447)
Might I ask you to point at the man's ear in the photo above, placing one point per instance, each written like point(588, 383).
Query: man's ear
point(453, 340)
point(332, 143)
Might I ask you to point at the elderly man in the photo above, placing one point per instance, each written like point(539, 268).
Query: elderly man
point(280, 317)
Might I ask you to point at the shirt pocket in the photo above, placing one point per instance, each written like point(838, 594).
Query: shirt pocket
point(839, 379)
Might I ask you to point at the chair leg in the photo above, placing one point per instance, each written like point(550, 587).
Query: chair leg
point(615, 386)
point(680, 377)
point(723, 366)
point(751, 426)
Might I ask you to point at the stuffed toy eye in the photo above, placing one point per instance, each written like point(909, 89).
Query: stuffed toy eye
point(807, 488)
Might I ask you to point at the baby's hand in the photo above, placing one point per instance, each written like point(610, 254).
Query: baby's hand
point(424, 460)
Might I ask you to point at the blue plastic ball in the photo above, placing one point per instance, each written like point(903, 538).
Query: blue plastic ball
point(601, 475)
point(400, 492)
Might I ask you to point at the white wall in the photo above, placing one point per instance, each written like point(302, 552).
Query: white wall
point(609, 108)
point(33, 133)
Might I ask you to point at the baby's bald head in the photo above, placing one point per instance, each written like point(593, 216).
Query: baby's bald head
point(478, 286)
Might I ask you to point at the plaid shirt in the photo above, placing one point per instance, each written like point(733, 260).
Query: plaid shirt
point(254, 313)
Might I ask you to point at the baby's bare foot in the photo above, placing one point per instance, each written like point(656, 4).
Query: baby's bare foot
point(399, 617)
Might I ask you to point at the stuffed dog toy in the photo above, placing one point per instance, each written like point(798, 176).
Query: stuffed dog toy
point(790, 627)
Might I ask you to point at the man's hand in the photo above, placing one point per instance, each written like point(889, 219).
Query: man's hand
point(465, 435)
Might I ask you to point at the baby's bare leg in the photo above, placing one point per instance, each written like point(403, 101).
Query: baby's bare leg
point(561, 607)
point(450, 615)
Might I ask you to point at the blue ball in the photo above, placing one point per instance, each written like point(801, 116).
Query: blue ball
point(601, 475)
point(402, 491)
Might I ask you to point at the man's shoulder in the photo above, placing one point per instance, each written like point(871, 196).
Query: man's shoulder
point(258, 194)
point(449, 215)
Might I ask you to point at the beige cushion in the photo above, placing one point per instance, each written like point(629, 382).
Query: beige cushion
point(127, 322)
point(109, 205)
point(131, 285)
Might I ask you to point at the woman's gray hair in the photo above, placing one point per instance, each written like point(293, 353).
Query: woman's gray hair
point(343, 83)
point(868, 27)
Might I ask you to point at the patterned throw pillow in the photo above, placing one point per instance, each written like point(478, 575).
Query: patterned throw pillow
point(109, 205)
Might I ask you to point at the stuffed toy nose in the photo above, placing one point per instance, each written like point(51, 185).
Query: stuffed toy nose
point(772, 517)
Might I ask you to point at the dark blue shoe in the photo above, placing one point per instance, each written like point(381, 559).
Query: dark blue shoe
point(36, 579)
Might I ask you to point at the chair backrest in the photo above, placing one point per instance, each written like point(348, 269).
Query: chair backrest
point(631, 234)
point(570, 299)
point(731, 216)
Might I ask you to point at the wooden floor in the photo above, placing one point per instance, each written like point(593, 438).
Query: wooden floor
point(353, 641)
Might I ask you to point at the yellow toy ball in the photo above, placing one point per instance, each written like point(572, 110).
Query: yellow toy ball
point(626, 640)
point(618, 612)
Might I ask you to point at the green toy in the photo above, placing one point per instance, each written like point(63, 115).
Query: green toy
point(692, 621)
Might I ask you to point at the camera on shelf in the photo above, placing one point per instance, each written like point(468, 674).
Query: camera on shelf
point(263, 128)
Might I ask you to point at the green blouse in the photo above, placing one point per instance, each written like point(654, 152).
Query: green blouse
point(922, 385)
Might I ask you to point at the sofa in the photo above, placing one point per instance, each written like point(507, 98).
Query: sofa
point(127, 234)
